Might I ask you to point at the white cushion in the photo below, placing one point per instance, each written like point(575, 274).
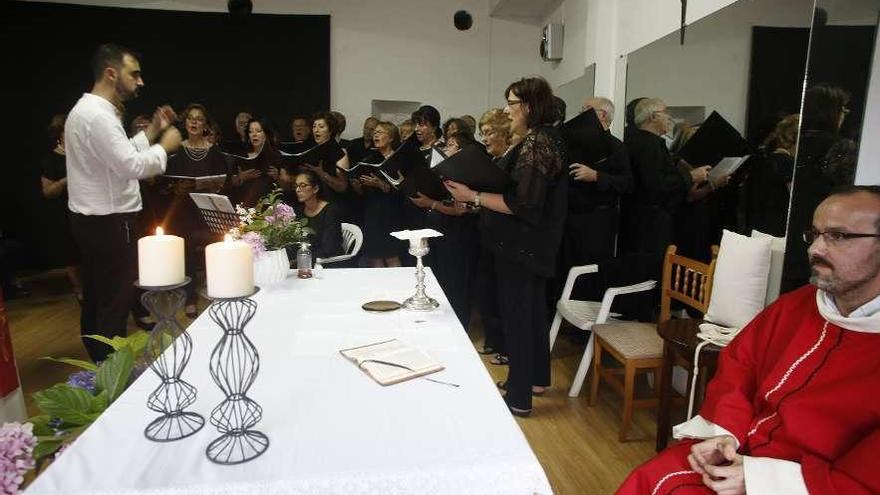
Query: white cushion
point(740, 284)
point(777, 256)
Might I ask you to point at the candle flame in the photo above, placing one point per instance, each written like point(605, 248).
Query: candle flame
point(159, 231)
point(227, 238)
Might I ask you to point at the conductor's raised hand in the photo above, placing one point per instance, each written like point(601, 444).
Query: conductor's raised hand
point(163, 117)
point(170, 140)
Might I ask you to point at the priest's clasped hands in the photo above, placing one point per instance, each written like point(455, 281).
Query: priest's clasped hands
point(719, 464)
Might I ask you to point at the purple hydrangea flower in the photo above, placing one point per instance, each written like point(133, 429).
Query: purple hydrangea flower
point(284, 212)
point(17, 442)
point(255, 240)
point(84, 380)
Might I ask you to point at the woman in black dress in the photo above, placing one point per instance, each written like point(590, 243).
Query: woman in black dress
point(496, 136)
point(198, 157)
point(256, 175)
point(382, 203)
point(825, 160)
point(522, 229)
point(766, 190)
point(453, 256)
point(63, 251)
point(325, 128)
point(322, 216)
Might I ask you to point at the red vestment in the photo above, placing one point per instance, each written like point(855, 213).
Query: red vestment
point(790, 386)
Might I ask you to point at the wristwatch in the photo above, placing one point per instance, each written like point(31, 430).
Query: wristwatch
point(477, 199)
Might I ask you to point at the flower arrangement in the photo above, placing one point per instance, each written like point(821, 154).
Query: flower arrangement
point(68, 408)
point(270, 225)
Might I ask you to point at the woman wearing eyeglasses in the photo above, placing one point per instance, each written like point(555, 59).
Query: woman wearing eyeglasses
point(197, 157)
point(521, 230)
point(383, 209)
point(322, 216)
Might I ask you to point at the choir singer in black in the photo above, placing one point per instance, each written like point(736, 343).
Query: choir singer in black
point(522, 229)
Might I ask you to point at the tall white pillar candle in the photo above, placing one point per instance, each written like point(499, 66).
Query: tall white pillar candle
point(230, 268)
point(160, 260)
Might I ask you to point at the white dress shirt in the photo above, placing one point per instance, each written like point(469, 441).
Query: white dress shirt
point(103, 164)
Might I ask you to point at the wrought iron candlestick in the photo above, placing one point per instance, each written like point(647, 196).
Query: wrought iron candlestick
point(234, 365)
point(168, 351)
point(420, 301)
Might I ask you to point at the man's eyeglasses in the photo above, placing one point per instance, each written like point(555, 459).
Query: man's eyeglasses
point(302, 185)
point(832, 237)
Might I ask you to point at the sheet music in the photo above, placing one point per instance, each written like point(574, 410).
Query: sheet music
point(216, 202)
point(727, 166)
point(437, 157)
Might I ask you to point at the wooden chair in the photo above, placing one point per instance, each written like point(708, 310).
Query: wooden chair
point(585, 314)
point(637, 346)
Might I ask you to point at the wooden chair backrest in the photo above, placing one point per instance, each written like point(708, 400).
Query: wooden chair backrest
point(686, 280)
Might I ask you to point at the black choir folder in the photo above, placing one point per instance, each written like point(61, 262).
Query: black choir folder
point(715, 139)
point(391, 361)
point(473, 167)
point(325, 154)
point(405, 157)
point(586, 140)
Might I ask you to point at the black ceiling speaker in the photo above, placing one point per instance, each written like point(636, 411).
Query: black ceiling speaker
point(463, 20)
point(240, 7)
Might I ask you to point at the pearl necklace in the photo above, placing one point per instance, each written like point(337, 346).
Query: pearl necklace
point(195, 154)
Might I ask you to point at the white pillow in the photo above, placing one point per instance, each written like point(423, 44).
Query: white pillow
point(740, 283)
point(777, 257)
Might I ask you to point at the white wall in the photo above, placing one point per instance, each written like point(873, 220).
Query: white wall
point(712, 68)
point(603, 32)
point(572, 14)
point(402, 49)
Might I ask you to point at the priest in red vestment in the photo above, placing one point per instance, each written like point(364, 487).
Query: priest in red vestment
point(795, 405)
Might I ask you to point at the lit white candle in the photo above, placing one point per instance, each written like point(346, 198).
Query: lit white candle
point(230, 268)
point(160, 260)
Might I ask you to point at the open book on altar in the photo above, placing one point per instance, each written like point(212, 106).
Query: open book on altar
point(391, 361)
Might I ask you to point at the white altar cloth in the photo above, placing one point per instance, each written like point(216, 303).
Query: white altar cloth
point(332, 429)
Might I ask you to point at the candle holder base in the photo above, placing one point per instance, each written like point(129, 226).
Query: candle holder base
point(168, 351)
point(423, 303)
point(175, 426)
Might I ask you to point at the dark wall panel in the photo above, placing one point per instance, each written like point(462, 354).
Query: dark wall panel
point(271, 65)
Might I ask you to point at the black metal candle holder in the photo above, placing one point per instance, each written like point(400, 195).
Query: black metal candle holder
point(234, 365)
point(168, 351)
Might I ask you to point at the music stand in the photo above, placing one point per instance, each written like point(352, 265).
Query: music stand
point(217, 211)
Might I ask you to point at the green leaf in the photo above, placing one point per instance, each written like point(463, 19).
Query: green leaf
point(47, 447)
point(116, 342)
point(79, 363)
point(74, 406)
point(41, 425)
point(138, 342)
point(112, 376)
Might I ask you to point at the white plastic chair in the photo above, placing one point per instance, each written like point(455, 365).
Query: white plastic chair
point(352, 240)
point(585, 314)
